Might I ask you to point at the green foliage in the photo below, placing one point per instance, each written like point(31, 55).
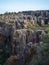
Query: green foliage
point(36, 25)
point(46, 26)
point(46, 38)
point(42, 57)
point(29, 26)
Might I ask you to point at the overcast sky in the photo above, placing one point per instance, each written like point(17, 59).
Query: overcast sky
point(23, 5)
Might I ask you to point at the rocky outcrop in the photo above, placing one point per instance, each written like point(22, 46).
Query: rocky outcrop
point(20, 19)
point(17, 43)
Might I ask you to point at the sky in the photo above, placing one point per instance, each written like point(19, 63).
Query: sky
point(23, 5)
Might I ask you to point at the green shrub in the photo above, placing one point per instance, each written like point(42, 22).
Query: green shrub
point(45, 38)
